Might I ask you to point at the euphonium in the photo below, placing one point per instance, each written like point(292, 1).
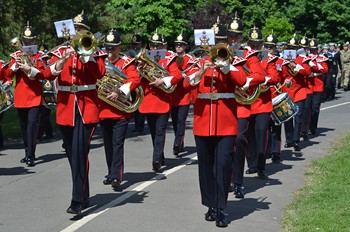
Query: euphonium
point(150, 69)
point(112, 80)
point(245, 98)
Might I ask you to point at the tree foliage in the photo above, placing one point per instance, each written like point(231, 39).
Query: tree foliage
point(326, 20)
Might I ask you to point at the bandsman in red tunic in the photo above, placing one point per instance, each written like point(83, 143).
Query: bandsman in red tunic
point(28, 91)
point(274, 144)
point(215, 126)
point(156, 102)
point(316, 82)
point(261, 108)
point(300, 70)
point(114, 122)
point(77, 109)
point(6, 83)
point(181, 98)
point(255, 76)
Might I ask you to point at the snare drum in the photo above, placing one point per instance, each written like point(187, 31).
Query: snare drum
point(49, 93)
point(283, 108)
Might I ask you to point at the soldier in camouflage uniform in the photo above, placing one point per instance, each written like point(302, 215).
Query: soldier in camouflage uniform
point(345, 59)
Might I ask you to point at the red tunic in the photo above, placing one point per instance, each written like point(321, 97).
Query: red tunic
point(78, 73)
point(127, 66)
point(156, 100)
point(257, 75)
point(283, 70)
point(263, 103)
point(298, 90)
point(321, 68)
point(217, 117)
point(181, 96)
point(28, 90)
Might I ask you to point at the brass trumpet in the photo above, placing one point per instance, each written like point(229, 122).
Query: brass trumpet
point(150, 69)
point(25, 58)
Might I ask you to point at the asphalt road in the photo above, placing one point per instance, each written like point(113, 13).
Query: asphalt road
point(36, 198)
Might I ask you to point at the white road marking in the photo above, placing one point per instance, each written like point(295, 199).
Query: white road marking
point(76, 225)
point(330, 107)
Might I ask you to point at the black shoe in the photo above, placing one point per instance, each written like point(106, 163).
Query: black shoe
point(210, 216)
point(220, 218)
point(156, 166)
point(107, 181)
point(239, 191)
point(276, 158)
point(296, 147)
point(75, 208)
point(268, 156)
point(251, 171)
point(30, 162)
point(312, 131)
point(115, 183)
point(177, 150)
point(262, 174)
point(305, 136)
point(288, 145)
point(24, 160)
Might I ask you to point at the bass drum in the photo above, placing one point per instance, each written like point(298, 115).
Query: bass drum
point(49, 94)
point(283, 108)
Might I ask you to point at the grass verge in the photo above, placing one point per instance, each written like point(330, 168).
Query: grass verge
point(324, 203)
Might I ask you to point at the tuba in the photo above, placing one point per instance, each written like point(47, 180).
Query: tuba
point(150, 69)
point(112, 80)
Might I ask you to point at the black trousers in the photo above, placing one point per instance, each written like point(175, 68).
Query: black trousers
point(293, 127)
point(330, 85)
point(139, 121)
point(178, 117)
point(157, 124)
point(77, 142)
point(114, 133)
point(315, 109)
point(241, 150)
point(257, 140)
point(215, 168)
point(29, 122)
point(306, 114)
point(44, 123)
point(274, 144)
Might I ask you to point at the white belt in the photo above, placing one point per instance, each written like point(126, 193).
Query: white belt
point(76, 88)
point(215, 96)
point(315, 74)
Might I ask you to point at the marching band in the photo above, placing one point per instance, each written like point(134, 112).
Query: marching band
point(240, 97)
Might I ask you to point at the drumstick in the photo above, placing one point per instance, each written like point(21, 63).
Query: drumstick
point(278, 89)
